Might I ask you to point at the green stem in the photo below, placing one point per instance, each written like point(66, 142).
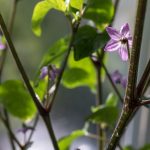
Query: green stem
point(20, 67)
point(130, 100)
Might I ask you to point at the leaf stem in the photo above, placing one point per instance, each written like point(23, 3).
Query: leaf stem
point(130, 100)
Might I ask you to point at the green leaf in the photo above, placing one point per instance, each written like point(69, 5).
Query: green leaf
point(111, 100)
point(100, 12)
point(87, 41)
point(40, 11)
point(145, 147)
point(73, 77)
point(76, 4)
point(88, 71)
point(55, 52)
point(40, 88)
point(105, 115)
point(129, 147)
point(16, 99)
point(65, 142)
point(84, 42)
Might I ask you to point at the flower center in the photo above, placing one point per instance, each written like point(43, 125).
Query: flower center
point(124, 40)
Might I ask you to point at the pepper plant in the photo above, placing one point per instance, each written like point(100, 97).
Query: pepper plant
point(76, 60)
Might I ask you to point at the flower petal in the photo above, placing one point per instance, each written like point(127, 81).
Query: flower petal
point(113, 33)
point(125, 31)
point(112, 46)
point(123, 52)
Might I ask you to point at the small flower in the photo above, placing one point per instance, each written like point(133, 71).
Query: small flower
point(118, 78)
point(119, 41)
point(51, 71)
point(2, 45)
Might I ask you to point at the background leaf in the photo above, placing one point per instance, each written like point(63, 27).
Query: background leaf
point(65, 142)
point(17, 100)
point(40, 11)
point(105, 115)
point(100, 12)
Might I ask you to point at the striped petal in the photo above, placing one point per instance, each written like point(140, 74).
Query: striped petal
point(113, 33)
point(112, 46)
point(123, 52)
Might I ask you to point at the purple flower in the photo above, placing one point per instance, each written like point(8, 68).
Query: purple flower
point(51, 71)
point(118, 78)
point(2, 45)
point(44, 72)
point(119, 41)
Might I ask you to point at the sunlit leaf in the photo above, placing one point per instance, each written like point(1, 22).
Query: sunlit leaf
point(76, 3)
point(73, 77)
point(16, 99)
point(65, 142)
point(88, 70)
point(100, 12)
point(40, 11)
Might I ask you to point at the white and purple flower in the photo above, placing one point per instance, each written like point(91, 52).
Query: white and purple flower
point(120, 40)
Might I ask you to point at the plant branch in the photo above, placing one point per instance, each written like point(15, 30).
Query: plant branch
point(130, 101)
point(20, 67)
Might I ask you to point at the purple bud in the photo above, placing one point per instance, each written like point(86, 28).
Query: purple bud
point(116, 76)
point(44, 72)
point(51, 71)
